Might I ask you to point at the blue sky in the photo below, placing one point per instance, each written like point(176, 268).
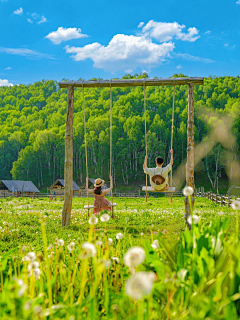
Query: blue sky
point(107, 39)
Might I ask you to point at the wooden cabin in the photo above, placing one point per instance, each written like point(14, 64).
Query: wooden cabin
point(18, 187)
point(58, 187)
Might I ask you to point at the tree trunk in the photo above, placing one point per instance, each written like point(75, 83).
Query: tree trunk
point(68, 168)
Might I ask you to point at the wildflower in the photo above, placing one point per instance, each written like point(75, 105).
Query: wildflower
point(22, 286)
point(31, 256)
point(33, 265)
point(37, 273)
point(93, 220)
point(26, 258)
point(235, 205)
point(110, 241)
point(107, 264)
point(50, 247)
point(155, 244)
point(115, 259)
point(105, 217)
point(99, 243)
point(37, 309)
point(195, 219)
point(60, 242)
point(139, 285)
point(71, 246)
point(51, 255)
point(188, 191)
point(134, 257)
point(89, 250)
point(119, 236)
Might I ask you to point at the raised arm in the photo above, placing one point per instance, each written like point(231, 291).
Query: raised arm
point(111, 186)
point(89, 190)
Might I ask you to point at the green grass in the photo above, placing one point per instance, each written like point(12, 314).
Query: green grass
point(193, 279)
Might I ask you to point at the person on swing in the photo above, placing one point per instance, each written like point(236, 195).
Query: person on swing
point(158, 176)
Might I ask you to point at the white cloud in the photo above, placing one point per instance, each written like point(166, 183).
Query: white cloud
point(29, 20)
point(140, 24)
point(8, 68)
point(128, 70)
point(179, 67)
point(43, 19)
point(25, 52)
point(189, 57)
point(208, 32)
point(238, 2)
point(5, 83)
point(65, 34)
point(164, 31)
point(123, 52)
point(226, 45)
point(18, 11)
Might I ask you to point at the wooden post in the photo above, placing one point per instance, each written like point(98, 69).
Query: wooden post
point(190, 149)
point(68, 168)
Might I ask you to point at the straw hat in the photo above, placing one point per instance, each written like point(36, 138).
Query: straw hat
point(98, 182)
point(157, 179)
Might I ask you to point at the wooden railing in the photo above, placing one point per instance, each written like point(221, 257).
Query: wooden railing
point(223, 200)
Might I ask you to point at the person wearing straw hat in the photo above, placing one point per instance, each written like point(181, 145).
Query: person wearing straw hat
point(158, 176)
point(100, 202)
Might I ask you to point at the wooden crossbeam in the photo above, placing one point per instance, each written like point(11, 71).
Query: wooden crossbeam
point(151, 189)
point(92, 206)
point(132, 82)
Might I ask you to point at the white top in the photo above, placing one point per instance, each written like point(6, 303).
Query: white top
point(162, 172)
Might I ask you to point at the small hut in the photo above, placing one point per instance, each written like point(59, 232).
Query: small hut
point(17, 187)
point(58, 187)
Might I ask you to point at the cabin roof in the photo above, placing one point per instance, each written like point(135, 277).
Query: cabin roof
point(20, 186)
point(61, 181)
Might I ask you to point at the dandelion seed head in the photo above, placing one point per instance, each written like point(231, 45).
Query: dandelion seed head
point(139, 285)
point(93, 220)
point(119, 236)
point(71, 246)
point(110, 241)
point(99, 243)
point(155, 244)
point(115, 259)
point(32, 256)
point(235, 205)
point(134, 257)
point(89, 250)
point(188, 191)
point(105, 217)
point(193, 218)
point(60, 242)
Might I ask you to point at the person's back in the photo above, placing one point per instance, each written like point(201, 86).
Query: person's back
point(158, 176)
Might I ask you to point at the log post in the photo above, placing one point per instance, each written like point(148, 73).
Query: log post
point(190, 149)
point(68, 167)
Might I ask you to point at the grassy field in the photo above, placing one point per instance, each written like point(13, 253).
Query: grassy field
point(95, 271)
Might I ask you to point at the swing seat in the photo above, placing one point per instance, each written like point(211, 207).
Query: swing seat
point(151, 189)
point(92, 206)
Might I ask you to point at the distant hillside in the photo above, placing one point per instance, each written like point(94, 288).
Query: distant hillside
point(33, 119)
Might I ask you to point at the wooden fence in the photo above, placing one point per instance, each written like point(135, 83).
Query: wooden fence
point(223, 200)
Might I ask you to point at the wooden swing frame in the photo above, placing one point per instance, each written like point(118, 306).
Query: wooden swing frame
point(68, 168)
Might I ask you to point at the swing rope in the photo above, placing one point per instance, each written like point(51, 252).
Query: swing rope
point(85, 140)
point(111, 141)
point(145, 112)
point(172, 137)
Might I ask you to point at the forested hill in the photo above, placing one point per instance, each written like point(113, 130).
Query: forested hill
point(33, 125)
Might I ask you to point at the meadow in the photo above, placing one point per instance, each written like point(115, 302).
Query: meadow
point(140, 265)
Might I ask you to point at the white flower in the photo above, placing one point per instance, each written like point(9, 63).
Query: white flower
point(93, 220)
point(26, 258)
point(139, 285)
point(31, 256)
point(110, 241)
point(33, 265)
point(99, 243)
point(89, 250)
point(60, 242)
point(71, 246)
point(119, 236)
point(37, 273)
point(235, 205)
point(105, 217)
point(195, 219)
point(155, 244)
point(107, 264)
point(134, 257)
point(115, 259)
point(188, 191)
point(22, 286)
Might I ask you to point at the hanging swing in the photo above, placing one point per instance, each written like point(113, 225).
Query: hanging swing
point(147, 188)
point(112, 205)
